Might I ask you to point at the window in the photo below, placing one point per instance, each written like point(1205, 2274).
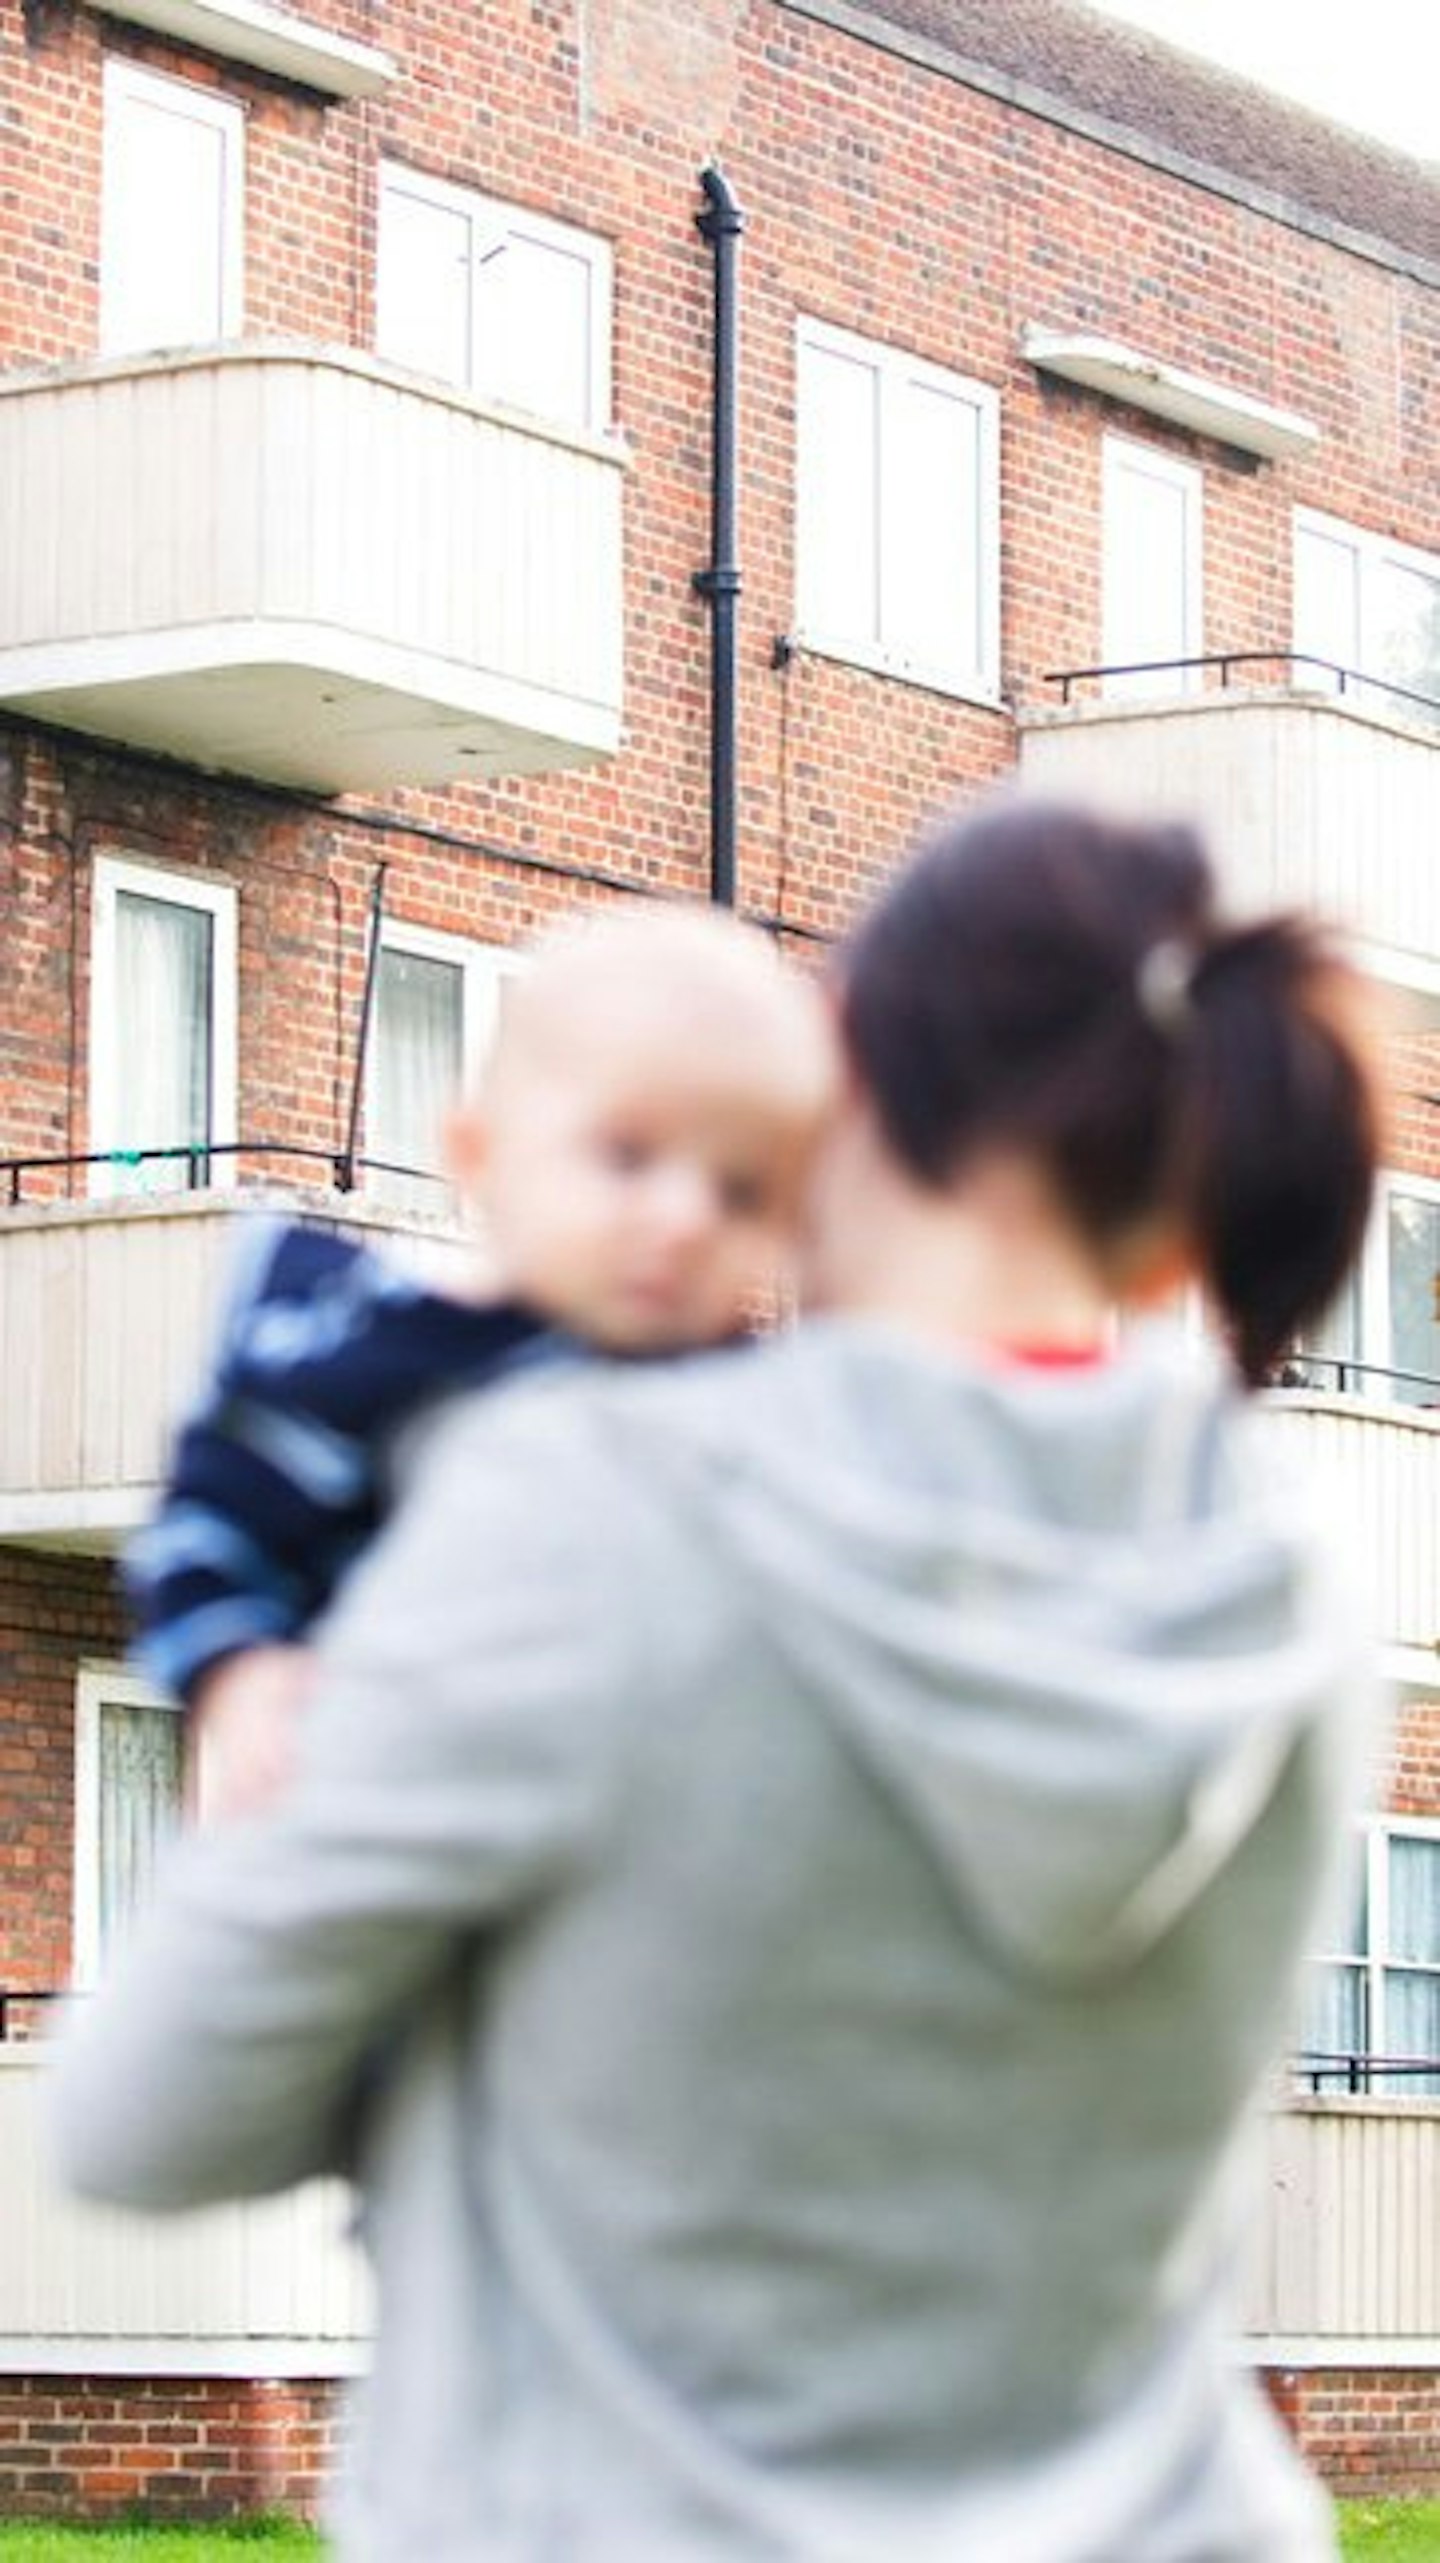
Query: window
point(1153, 600)
point(1382, 1338)
point(1368, 605)
point(897, 513)
point(1374, 2014)
point(171, 225)
point(511, 306)
point(128, 1777)
point(162, 1026)
point(437, 1003)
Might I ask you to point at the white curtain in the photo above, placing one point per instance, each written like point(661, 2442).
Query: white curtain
point(1412, 1991)
point(1414, 1251)
point(162, 1064)
point(425, 256)
point(1336, 2017)
point(140, 1787)
point(1407, 613)
point(415, 1072)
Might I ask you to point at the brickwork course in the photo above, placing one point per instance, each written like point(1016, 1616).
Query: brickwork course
point(934, 175)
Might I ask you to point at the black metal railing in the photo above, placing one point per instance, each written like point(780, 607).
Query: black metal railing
point(1344, 678)
point(15, 1999)
point(196, 1157)
point(1339, 1375)
point(1348, 2070)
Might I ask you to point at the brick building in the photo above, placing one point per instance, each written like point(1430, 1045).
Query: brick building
point(356, 462)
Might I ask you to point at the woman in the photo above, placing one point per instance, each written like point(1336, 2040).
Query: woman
point(842, 1822)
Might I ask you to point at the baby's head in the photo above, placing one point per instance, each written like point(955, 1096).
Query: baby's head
point(639, 1147)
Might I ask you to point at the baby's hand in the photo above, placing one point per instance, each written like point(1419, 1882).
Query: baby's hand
point(242, 1737)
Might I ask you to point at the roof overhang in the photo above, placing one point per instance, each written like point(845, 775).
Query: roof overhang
point(250, 31)
point(1196, 401)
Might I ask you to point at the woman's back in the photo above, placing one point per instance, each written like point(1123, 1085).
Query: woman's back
point(856, 2146)
point(844, 1821)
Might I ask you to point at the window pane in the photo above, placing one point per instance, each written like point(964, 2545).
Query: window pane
point(416, 1067)
point(533, 328)
point(838, 524)
point(1327, 600)
point(1151, 603)
point(140, 1795)
point(423, 284)
point(1415, 1899)
point(164, 972)
point(1335, 2035)
point(1406, 604)
point(166, 179)
point(1413, 1236)
point(930, 530)
point(1328, 1348)
point(1412, 2028)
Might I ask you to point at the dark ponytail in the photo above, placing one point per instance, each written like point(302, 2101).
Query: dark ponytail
point(1042, 979)
point(1278, 1134)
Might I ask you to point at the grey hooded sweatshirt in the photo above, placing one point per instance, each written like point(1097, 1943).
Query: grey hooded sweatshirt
point(824, 1839)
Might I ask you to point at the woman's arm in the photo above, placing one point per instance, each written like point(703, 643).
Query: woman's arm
point(462, 1752)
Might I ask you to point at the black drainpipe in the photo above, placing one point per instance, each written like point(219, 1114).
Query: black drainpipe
point(721, 224)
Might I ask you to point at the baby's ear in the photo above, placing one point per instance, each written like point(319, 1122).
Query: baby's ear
point(465, 1146)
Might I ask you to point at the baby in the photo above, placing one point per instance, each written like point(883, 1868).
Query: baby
point(634, 1161)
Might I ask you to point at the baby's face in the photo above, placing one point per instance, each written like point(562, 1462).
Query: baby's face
point(642, 1197)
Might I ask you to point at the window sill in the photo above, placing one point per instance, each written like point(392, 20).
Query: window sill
point(962, 686)
point(266, 39)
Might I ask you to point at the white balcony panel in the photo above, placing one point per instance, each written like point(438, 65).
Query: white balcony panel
point(308, 567)
point(1375, 1472)
point(1306, 800)
point(86, 2288)
point(106, 1313)
point(1346, 2249)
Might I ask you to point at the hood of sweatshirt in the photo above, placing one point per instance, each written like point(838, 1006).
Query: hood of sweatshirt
point(1073, 1621)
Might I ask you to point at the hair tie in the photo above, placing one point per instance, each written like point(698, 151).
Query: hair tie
point(1165, 985)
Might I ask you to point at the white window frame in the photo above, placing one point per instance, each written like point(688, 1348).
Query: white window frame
point(114, 874)
point(128, 82)
point(483, 967)
point(495, 221)
point(1122, 455)
point(1371, 551)
point(1377, 1832)
point(977, 682)
point(97, 1686)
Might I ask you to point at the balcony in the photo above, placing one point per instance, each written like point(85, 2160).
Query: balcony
point(269, 2289)
point(300, 565)
point(1376, 1470)
point(106, 1308)
point(1344, 2261)
point(1307, 796)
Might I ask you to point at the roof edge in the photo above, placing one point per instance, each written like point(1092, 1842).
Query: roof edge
point(870, 26)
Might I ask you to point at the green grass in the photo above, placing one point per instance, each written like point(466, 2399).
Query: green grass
point(249, 2541)
point(1394, 2531)
point(1398, 2531)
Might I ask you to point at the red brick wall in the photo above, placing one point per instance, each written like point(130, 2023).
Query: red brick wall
point(1368, 2432)
point(53, 1612)
point(1412, 1783)
point(879, 196)
point(199, 2447)
point(87, 2447)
